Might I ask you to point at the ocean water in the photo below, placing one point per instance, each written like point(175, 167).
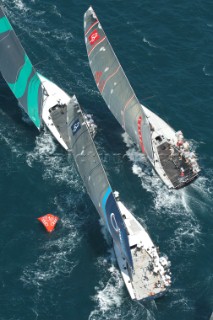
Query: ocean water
point(165, 48)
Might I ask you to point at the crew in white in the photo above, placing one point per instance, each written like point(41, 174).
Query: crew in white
point(184, 151)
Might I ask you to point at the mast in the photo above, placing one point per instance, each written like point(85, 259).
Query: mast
point(114, 85)
point(17, 70)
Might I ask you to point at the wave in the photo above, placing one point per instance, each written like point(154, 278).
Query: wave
point(57, 166)
point(207, 73)
point(186, 238)
point(180, 301)
point(151, 44)
point(20, 5)
point(56, 11)
point(9, 132)
point(62, 35)
point(109, 293)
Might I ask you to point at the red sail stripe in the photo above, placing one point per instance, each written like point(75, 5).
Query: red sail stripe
point(140, 134)
point(88, 30)
point(101, 40)
point(126, 105)
point(97, 76)
point(101, 85)
point(109, 77)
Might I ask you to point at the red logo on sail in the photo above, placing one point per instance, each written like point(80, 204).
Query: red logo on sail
point(94, 36)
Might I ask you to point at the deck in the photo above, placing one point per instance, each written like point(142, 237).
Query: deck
point(58, 115)
point(146, 283)
point(172, 164)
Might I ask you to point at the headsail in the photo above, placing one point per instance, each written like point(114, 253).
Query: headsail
point(92, 172)
point(114, 85)
point(18, 71)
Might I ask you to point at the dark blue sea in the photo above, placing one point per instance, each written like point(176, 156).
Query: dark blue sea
point(166, 50)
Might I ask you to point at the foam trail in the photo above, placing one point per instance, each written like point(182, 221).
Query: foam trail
point(55, 164)
point(112, 300)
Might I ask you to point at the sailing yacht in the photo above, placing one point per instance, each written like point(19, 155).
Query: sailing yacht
point(37, 96)
point(146, 274)
point(167, 150)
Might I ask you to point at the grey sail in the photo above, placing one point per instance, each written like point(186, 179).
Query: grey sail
point(72, 127)
point(114, 85)
point(18, 71)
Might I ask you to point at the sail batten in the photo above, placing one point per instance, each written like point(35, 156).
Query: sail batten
point(17, 70)
point(113, 83)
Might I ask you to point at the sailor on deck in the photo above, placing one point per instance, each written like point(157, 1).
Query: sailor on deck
point(179, 136)
point(172, 151)
point(182, 173)
point(186, 146)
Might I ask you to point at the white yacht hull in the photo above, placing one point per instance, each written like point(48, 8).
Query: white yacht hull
point(161, 129)
point(143, 284)
point(55, 96)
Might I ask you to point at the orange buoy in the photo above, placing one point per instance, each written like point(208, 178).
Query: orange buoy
point(49, 221)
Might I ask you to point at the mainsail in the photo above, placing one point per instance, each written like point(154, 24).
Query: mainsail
point(92, 172)
point(18, 71)
point(114, 85)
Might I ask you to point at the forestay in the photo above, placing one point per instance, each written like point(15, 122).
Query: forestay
point(93, 175)
point(114, 85)
point(18, 71)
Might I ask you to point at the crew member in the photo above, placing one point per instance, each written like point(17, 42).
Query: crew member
point(182, 173)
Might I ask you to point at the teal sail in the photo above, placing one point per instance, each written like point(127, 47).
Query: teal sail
point(18, 72)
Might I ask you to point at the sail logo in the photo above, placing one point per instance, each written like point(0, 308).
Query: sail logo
point(75, 126)
point(94, 36)
point(114, 222)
